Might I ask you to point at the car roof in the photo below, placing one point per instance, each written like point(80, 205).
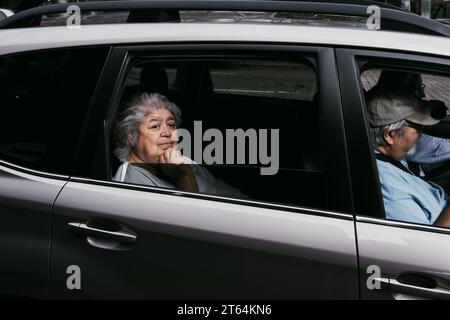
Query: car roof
point(27, 39)
point(150, 11)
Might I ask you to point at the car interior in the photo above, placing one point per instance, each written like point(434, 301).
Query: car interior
point(232, 94)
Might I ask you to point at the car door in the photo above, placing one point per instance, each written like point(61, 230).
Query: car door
point(398, 260)
point(37, 146)
point(118, 240)
point(26, 199)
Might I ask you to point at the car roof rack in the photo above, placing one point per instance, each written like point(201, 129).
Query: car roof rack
point(392, 18)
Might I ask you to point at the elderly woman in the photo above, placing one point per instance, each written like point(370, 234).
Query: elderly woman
point(146, 146)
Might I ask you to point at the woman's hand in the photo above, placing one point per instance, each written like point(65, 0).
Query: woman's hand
point(174, 165)
point(172, 156)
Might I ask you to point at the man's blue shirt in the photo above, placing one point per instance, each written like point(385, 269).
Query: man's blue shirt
point(429, 149)
point(409, 198)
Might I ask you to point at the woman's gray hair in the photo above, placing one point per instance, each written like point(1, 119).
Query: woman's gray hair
point(126, 129)
point(378, 132)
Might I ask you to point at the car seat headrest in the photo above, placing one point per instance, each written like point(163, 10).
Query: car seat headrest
point(154, 79)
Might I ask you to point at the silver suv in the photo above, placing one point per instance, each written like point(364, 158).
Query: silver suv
point(315, 228)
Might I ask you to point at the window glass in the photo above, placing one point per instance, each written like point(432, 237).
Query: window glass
point(410, 135)
point(435, 87)
point(140, 78)
point(251, 146)
point(45, 96)
point(262, 79)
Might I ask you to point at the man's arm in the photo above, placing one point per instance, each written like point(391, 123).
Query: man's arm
point(406, 210)
point(444, 218)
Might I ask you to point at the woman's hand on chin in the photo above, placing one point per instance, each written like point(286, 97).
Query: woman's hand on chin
point(171, 156)
point(174, 165)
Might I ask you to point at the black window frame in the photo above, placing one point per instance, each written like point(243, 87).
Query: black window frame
point(114, 78)
point(368, 200)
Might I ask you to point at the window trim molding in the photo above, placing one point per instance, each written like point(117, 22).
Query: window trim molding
point(42, 174)
point(203, 196)
point(402, 224)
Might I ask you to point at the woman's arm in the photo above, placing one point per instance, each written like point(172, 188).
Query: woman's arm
point(173, 165)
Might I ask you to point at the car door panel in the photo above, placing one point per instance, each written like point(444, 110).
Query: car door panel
point(195, 248)
point(398, 260)
point(409, 261)
point(26, 201)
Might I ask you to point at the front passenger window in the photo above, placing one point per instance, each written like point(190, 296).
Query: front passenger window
point(403, 107)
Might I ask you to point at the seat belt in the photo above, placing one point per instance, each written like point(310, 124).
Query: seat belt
point(396, 163)
point(414, 167)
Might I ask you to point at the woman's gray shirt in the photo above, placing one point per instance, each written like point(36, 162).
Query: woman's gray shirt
point(206, 182)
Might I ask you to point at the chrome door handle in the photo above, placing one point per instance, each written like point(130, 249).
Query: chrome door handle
point(83, 229)
point(395, 286)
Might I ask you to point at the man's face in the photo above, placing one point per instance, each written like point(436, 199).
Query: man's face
point(402, 142)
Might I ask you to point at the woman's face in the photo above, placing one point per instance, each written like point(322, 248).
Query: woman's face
point(154, 136)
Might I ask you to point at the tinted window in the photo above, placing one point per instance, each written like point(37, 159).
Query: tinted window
point(410, 136)
point(265, 145)
point(44, 98)
point(435, 87)
point(262, 79)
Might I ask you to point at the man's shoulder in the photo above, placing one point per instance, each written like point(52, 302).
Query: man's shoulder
point(389, 168)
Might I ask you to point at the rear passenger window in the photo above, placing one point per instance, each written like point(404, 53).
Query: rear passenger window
point(44, 99)
point(245, 128)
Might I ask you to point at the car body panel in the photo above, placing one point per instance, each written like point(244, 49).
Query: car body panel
point(399, 250)
point(192, 248)
point(26, 201)
point(15, 40)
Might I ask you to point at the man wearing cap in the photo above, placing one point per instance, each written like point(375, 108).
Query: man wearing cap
point(429, 152)
point(397, 118)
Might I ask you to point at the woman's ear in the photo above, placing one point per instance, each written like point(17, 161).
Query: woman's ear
point(130, 139)
point(388, 137)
